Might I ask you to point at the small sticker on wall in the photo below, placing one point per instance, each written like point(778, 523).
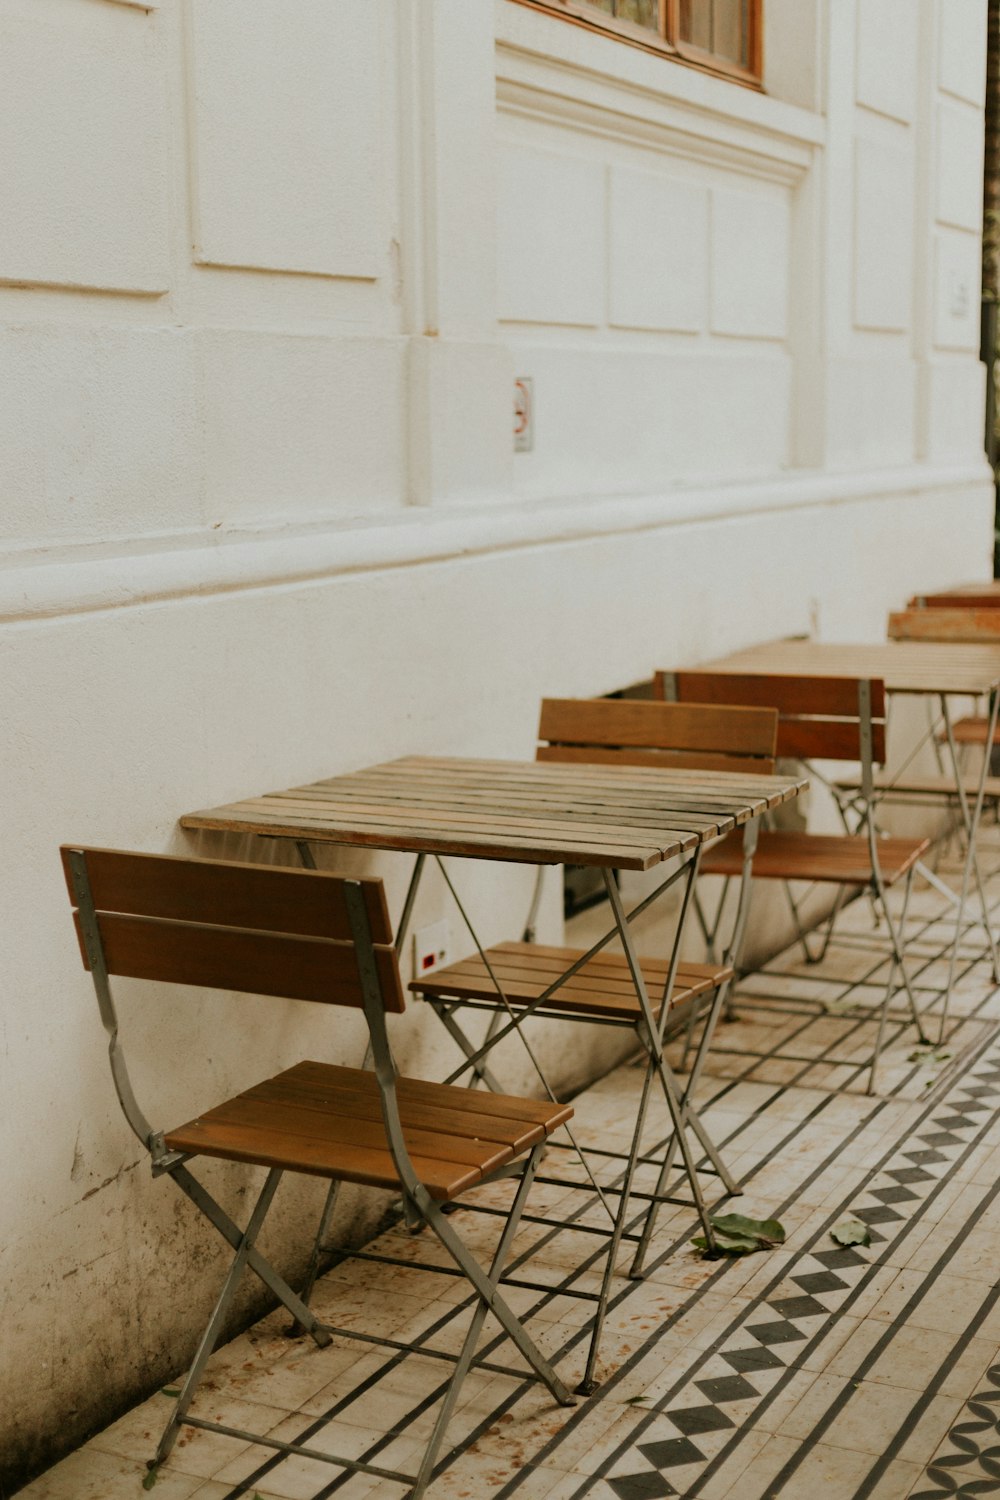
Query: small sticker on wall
point(524, 414)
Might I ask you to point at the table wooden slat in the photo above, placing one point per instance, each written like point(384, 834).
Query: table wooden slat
point(629, 818)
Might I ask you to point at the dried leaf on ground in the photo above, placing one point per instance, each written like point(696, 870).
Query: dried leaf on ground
point(735, 1234)
point(851, 1232)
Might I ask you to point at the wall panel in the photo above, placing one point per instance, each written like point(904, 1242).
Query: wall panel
point(658, 252)
point(551, 236)
point(83, 158)
point(288, 135)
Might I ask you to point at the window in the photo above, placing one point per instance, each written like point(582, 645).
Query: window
point(723, 36)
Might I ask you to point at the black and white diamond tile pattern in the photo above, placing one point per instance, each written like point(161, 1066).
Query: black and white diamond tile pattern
point(765, 1348)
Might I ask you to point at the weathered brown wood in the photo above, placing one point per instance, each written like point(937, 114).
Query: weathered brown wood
point(940, 624)
point(818, 717)
point(827, 696)
point(265, 897)
point(667, 760)
point(603, 988)
point(419, 1091)
point(229, 958)
point(968, 731)
point(828, 739)
point(964, 596)
point(837, 859)
point(618, 816)
point(307, 1119)
point(515, 1134)
point(630, 724)
point(904, 666)
point(926, 786)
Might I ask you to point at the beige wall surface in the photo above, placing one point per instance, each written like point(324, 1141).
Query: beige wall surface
point(268, 273)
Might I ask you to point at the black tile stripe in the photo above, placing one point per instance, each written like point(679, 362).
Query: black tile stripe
point(742, 1321)
point(638, 1484)
point(871, 1359)
point(961, 1433)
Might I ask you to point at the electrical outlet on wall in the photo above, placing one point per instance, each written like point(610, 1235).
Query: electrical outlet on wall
point(431, 947)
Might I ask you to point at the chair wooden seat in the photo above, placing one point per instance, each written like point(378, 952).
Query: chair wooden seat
point(844, 860)
point(327, 1120)
point(969, 731)
point(603, 988)
point(924, 786)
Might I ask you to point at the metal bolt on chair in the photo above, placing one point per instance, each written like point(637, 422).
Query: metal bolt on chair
point(313, 936)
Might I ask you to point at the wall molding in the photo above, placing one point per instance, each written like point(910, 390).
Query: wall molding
point(599, 88)
point(84, 578)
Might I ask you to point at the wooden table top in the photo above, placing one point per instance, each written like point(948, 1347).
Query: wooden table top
point(904, 666)
point(537, 813)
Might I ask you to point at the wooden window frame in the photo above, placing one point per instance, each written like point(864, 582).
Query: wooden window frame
point(666, 44)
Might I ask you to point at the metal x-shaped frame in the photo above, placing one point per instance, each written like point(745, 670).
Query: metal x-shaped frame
point(650, 1032)
point(969, 819)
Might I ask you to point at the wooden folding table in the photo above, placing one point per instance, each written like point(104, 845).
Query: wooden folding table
point(610, 817)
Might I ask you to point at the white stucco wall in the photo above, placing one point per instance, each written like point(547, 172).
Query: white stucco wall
point(267, 274)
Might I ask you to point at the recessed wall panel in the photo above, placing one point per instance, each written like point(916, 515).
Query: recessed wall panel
point(551, 239)
point(959, 166)
point(287, 110)
point(658, 252)
point(749, 263)
point(883, 235)
point(83, 162)
point(887, 57)
point(956, 289)
point(962, 48)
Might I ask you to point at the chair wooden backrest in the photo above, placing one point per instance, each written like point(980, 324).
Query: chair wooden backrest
point(259, 929)
point(981, 626)
point(967, 596)
point(821, 718)
point(629, 732)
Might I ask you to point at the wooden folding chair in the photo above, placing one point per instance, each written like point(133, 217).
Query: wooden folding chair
point(526, 979)
point(924, 623)
point(944, 620)
point(824, 718)
point(312, 936)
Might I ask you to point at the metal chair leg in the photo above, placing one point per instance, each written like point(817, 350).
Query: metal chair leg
point(215, 1323)
point(475, 1327)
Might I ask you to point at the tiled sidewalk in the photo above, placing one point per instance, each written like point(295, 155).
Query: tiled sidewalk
point(864, 1372)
